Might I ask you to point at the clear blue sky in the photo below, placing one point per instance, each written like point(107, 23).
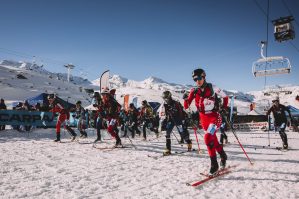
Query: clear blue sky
point(141, 38)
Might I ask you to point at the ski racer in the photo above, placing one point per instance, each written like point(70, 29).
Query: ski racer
point(147, 116)
point(63, 117)
point(280, 119)
point(175, 117)
point(80, 114)
point(207, 101)
point(109, 111)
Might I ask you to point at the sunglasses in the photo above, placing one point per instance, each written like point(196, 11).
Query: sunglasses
point(198, 78)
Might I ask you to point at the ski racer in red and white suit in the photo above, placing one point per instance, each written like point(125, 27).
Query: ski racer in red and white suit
point(207, 100)
point(63, 117)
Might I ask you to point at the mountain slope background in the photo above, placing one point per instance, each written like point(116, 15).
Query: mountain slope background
point(21, 80)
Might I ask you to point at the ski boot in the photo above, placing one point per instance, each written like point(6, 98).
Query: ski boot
point(73, 138)
point(97, 140)
point(214, 166)
point(84, 134)
point(223, 157)
point(189, 147)
point(118, 143)
point(57, 137)
point(98, 136)
point(166, 152)
point(285, 146)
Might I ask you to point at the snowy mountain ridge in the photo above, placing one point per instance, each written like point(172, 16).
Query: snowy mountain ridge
point(40, 80)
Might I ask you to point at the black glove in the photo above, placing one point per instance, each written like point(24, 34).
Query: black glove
point(292, 120)
point(185, 96)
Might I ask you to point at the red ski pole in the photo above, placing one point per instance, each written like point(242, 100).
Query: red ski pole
point(195, 132)
point(239, 142)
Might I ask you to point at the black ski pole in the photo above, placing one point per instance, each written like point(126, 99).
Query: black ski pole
point(269, 125)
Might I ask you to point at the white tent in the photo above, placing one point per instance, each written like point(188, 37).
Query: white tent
point(90, 107)
point(255, 112)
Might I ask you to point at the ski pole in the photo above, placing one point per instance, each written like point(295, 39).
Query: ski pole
point(195, 132)
point(239, 142)
point(269, 125)
point(176, 138)
point(131, 141)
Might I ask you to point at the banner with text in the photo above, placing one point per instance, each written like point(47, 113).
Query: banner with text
point(253, 126)
point(32, 118)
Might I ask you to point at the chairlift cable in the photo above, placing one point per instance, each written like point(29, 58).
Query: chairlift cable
point(28, 56)
point(268, 6)
point(270, 20)
point(286, 6)
point(292, 44)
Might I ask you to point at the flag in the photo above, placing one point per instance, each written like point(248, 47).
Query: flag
point(126, 102)
point(104, 81)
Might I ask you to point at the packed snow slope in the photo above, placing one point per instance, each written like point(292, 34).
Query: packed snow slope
point(33, 166)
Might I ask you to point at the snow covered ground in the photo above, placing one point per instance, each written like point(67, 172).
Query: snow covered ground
point(33, 166)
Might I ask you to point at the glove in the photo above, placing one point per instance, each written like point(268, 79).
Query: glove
point(222, 110)
point(67, 122)
point(185, 96)
point(292, 121)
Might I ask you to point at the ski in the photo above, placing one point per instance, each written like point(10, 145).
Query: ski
point(282, 149)
point(172, 154)
point(208, 177)
point(220, 173)
point(110, 147)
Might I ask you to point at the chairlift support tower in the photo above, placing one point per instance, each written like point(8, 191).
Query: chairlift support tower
point(268, 66)
point(69, 67)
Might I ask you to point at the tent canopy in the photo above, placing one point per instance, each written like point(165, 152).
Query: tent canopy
point(43, 100)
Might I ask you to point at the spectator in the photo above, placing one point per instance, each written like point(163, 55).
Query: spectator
point(2, 107)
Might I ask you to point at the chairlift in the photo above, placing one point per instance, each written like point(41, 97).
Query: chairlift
point(267, 66)
point(284, 29)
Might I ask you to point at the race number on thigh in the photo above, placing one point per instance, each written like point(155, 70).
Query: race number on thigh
point(112, 122)
point(212, 129)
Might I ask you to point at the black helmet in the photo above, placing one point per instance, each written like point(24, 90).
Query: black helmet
point(78, 102)
point(144, 102)
point(131, 105)
point(198, 73)
point(166, 95)
point(51, 96)
point(96, 94)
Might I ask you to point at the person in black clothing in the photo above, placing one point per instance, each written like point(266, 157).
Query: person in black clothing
point(2, 107)
point(280, 119)
point(133, 119)
point(80, 114)
point(175, 116)
point(124, 120)
point(223, 126)
point(27, 107)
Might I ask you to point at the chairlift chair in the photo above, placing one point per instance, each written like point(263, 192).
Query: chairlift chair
point(267, 66)
point(284, 29)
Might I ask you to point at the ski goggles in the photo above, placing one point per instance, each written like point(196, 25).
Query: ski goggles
point(198, 78)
